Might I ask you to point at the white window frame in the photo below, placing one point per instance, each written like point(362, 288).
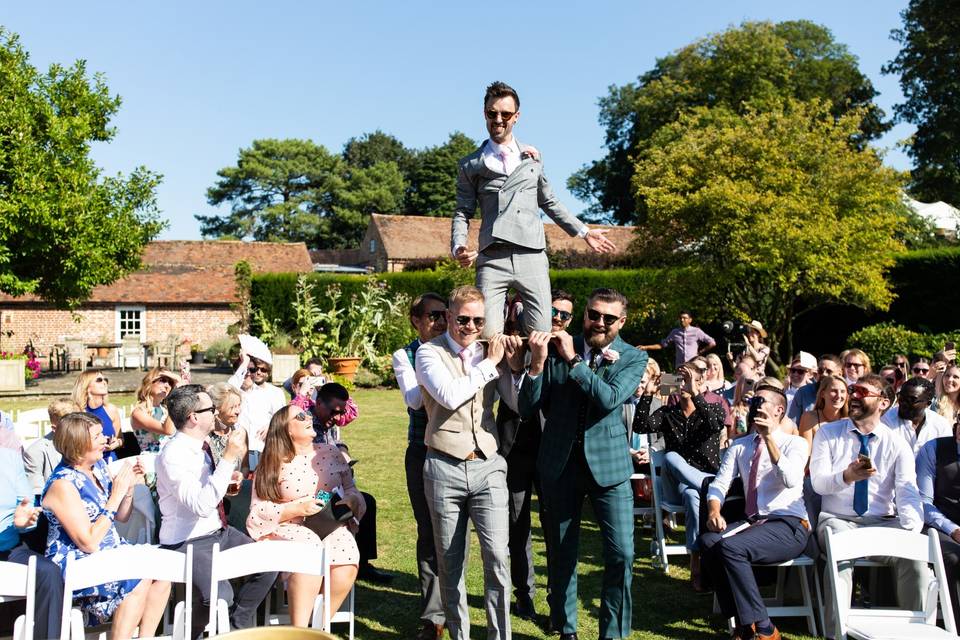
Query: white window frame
point(143, 320)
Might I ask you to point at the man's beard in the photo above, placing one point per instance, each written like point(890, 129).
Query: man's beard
point(600, 339)
point(861, 411)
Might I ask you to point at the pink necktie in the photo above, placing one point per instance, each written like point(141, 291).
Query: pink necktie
point(465, 358)
point(752, 481)
point(503, 158)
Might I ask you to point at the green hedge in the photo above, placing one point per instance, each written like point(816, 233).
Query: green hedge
point(883, 341)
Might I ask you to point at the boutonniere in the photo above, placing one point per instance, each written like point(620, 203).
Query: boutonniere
point(530, 152)
point(611, 356)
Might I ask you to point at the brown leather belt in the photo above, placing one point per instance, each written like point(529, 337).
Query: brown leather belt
point(476, 454)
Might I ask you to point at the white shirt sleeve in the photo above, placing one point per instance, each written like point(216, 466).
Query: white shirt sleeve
point(822, 477)
point(236, 380)
point(725, 475)
point(451, 392)
point(793, 460)
point(407, 379)
point(906, 493)
point(199, 499)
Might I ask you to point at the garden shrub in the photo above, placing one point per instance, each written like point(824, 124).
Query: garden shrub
point(882, 341)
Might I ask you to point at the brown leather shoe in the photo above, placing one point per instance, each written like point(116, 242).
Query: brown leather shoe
point(430, 631)
point(773, 636)
point(743, 633)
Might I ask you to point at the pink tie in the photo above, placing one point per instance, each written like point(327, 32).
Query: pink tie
point(465, 358)
point(752, 481)
point(503, 158)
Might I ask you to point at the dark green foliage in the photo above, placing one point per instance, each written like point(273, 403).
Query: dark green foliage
point(927, 284)
point(885, 340)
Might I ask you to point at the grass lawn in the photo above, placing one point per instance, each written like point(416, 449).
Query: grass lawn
point(663, 607)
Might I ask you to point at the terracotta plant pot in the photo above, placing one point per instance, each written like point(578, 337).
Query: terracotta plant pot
point(346, 367)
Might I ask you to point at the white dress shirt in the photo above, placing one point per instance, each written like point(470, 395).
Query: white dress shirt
point(451, 392)
point(934, 426)
point(891, 491)
point(188, 491)
point(407, 379)
point(257, 406)
point(502, 158)
point(779, 486)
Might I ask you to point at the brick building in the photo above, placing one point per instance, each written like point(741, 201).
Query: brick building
point(185, 289)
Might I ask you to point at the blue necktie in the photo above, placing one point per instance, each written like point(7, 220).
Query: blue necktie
point(860, 487)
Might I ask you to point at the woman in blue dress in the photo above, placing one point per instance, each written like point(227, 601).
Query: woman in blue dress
point(90, 393)
point(81, 502)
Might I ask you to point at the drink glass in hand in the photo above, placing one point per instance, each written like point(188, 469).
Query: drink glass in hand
point(236, 478)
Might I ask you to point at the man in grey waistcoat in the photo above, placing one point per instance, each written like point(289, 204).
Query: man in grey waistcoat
point(505, 178)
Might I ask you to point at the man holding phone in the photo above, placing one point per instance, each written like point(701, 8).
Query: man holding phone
point(771, 464)
point(867, 476)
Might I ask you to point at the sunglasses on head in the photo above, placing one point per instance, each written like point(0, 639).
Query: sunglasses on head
point(493, 113)
point(921, 370)
point(860, 391)
point(436, 316)
point(102, 379)
point(260, 369)
point(465, 320)
point(563, 315)
point(608, 319)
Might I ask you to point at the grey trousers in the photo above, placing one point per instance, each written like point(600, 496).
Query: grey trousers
point(477, 489)
point(431, 606)
point(912, 577)
point(526, 270)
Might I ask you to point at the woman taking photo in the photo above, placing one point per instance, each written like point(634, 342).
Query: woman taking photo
point(948, 392)
point(149, 417)
point(292, 470)
point(830, 405)
point(90, 393)
point(81, 502)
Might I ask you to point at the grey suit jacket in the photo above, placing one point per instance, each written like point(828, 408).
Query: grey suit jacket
point(509, 205)
point(39, 461)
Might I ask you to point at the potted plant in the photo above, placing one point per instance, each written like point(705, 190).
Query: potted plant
point(196, 354)
point(13, 371)
point(286, 359)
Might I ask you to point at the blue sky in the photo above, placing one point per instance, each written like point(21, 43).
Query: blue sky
point(200, 80)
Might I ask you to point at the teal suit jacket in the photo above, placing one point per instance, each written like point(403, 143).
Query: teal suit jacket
point(560, 392)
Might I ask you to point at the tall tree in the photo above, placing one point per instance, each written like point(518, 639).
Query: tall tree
point(376, 189)
point(776, 211)
point(928, 64)
point(371, 148)
point(433, 178)
point(742, 69)
point(64, 227)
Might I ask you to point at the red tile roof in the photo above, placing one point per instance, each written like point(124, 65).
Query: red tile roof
point(196, 271)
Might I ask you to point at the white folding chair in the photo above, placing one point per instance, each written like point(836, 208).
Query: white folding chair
point(343, 614)
point(31, 424)
point(261, 557)
point(871, 624)
point(19, 582)
point(129, 562)
point(660, 548)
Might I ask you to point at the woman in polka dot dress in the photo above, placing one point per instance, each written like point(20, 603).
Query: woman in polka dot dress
point(292, 470)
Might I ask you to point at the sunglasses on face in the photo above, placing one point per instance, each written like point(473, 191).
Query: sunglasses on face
point(302, 417)
point(493, 113)
point(860, 391)
point(463, 321)
point(436, 316)
point(165, 381)
point(900, 365)
point(853, 365)
point(921, 370)
point(260, 369)
point(563, 315)
point(211, 409)
point(797, 371)
point(101, 379)
point(595, 315)
point(890, 380)
point(824, 371)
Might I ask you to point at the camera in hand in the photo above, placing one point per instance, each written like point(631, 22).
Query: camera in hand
point(735, 335)
point(756, 402)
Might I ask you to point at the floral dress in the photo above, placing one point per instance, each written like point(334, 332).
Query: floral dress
point(149, 441)
point(97, 603)
point(324, 468)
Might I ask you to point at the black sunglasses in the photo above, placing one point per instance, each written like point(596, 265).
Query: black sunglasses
point(608, 319)
point(797, 370)
point(436, 316)
point(102, 379)
point(921, 370)
point(260, 369)
point(211, 409)
point(465, 320)
point(563, 315)
point(492, 114)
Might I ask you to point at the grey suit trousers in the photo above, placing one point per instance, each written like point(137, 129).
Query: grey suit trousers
point(476, 489)
point(502, 266)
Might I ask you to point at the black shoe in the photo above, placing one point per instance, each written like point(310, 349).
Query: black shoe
point(568, 636)
point(523, 608)
point(430, 631)
point(370, 573)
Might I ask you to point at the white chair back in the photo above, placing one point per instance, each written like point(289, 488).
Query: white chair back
point(258, 557)
point(129, 562)
point(148, 461)
point(31, 423)
point(18, 582)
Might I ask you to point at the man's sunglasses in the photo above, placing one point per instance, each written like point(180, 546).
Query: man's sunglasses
point(465, 320)
point(211, 409)
point(563, 315)
point(436, 316)
point(102, 379)
point(921, 370)
point(860, 391)
point(797, 370)
point(260, 369)
point(890, 380)
point(505, 115)
point(608, 319)
point(854, 365)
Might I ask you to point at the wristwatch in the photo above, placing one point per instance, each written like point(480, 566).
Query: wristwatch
point(575, 360)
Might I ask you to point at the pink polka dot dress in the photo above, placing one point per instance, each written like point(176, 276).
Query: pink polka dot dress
point(324, 468)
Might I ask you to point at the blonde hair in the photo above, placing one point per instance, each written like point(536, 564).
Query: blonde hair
point(825, 383)
point(81, 387)
point(714, 359)
point(860, 354)
point(61, 407)
point(72, 438)
point(945, 405)
point(464, 294)
point(221, 392)
point(144, 401)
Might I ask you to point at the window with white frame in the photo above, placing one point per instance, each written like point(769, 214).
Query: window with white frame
point(131, 321)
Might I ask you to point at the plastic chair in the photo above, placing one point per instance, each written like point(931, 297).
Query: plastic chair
point(660, 549)
point(127, 563)
point(19, 582)
point(869, 624)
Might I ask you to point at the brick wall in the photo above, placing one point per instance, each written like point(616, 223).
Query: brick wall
point(48, 326)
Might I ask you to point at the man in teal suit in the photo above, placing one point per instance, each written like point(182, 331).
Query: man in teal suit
point(580, 384)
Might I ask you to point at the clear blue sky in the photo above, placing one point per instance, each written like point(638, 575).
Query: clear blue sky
point(200, 80)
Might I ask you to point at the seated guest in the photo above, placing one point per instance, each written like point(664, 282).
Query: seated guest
point(830, 405)
point(938, 464)
point(913, 419)
point(17, 516)
point(714, 380)
point(329, 409)
point(191, 487)
point(149, 418)
point(893, 376)
point(691, 431)
point(802, 371)
point(291, 472)
point(226, 398)
point(81, 502)
point(921, 368)
point(42, 457)
point(948, 392)
point(771, 464)
point(867, 478)
point(710, 395)
point(806, 397)
point(90, 394)
point(856, 364)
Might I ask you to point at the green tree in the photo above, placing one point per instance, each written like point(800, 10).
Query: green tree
point(433, 178)
point(775, 208)
point(927, 65)
point(64, 227)
point(751, 67)
point(371, 148)
point(377, 189)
